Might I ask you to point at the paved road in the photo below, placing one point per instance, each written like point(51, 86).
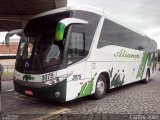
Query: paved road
point(131, 99)
point(14, 105)
point(140, 100)
point(7, 86)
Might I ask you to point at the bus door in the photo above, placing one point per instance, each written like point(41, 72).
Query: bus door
point(76, 62)
point(75, 53)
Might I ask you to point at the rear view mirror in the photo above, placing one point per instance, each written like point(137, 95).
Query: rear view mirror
point(61, 26)
point(11, 33)
point(60, 31)
point(7, 39)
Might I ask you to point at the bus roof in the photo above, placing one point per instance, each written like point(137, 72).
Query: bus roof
point(83, 8)
point(93, 10)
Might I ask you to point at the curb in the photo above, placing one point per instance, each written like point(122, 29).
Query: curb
point(52, 115)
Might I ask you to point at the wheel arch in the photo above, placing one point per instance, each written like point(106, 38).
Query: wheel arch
point(148, 70)
point(106, 75)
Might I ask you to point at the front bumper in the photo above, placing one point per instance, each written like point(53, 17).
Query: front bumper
point(47, 92)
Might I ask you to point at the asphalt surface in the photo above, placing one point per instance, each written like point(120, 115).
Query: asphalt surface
point(15, 106)
point(134, 101)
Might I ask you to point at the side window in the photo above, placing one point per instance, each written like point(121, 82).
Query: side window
point(109, 34)
point(124, 37)
point(76, 50)
point(136, 41)
point(89, 29)
point(115, 34)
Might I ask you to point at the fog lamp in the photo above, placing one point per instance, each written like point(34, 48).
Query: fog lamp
point(57, 94)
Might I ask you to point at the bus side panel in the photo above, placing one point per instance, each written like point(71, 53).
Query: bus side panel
point(148, 61)
point(134, 66)
point(75, 81)
point(122, 64)
point(118, 69)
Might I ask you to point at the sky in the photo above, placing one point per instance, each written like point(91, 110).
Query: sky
point(144, 15)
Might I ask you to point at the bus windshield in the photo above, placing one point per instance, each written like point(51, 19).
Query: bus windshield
point(38, 48)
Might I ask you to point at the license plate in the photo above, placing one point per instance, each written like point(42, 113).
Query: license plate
point(28, 92)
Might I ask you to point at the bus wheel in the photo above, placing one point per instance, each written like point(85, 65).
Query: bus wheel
point(147, 77)
point(100, 88)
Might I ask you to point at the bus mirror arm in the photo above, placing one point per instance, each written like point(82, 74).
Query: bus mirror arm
point(7, 39)
point(11, 33)
point(61, 26)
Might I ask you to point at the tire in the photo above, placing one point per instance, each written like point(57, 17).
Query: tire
point(0, 83)
point(146, 80)
point(100, 88)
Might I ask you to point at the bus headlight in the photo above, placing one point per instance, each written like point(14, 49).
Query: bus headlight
point(61, 78)
point(56, 80)
point(48, 82)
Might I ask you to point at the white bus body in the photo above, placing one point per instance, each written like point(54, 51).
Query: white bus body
point(99, 55)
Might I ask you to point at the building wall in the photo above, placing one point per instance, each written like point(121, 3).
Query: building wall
point(3, 49)
point(9, 64)
point(11, 49)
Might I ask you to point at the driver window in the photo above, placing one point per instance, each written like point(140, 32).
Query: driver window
point(76, 49)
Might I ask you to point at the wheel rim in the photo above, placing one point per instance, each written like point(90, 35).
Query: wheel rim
point(147, 77)
point(100, 87)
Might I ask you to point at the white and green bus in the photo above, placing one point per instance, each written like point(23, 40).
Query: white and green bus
point(74, 52)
